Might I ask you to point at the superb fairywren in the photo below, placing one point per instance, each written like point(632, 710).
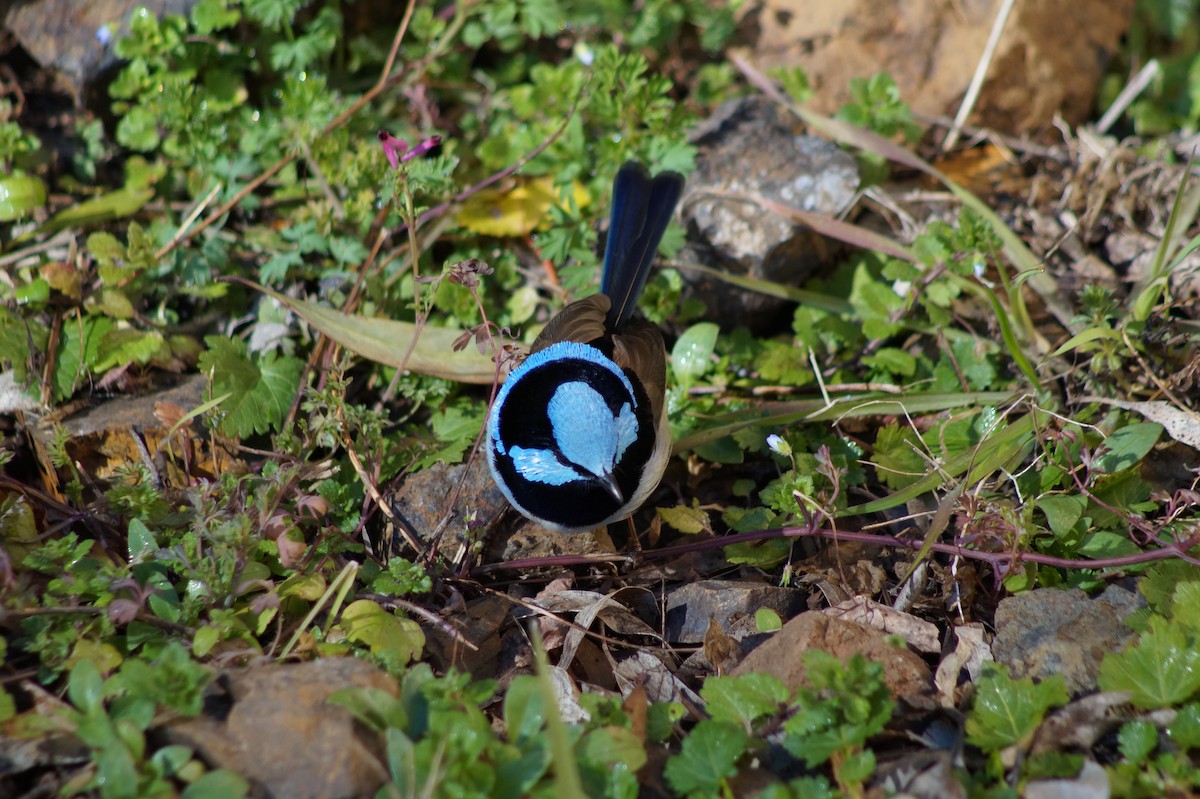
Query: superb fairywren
point(577, 436)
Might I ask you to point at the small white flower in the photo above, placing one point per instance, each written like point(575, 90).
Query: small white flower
point(901, 287)
point(980, 267)
point(584, 53)
point(778, 445)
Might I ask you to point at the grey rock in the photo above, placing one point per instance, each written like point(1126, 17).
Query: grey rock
point(691, 606)
point(65, 35)
point(274, 726)
point(748, 149)
point(422, 501)
point(1050, 631)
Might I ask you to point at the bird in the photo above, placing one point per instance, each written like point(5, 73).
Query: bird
point(577, 437)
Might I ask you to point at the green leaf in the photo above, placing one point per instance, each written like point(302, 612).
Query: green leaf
point(1163, 581)
point(856, 768)
point(387, 341)
point(524, 713)
point(116, 773)
point(205, 639)
point(1006, 711)
point(209, 16)
point(1136, 740)
point(1185, 730)
point(897, 456)
point(138, 129)
point(80, 345)
point(846, 704)
point(8, 707)
point(401, 577)
point(892, 360)
point(1162, 669)
point(721, 450)
point(707, 758)
point(767, 620)
point(875, 303)
point(684, 519)
point(20, 195)
point(259, 394)
point(117, 204)
point(1185, 605)
point(217, 784)
point(104, 655)
point(661, 719)
point(375, 707)
point(692, 353)
point(456, 428)
point(1103, 544)
point(308, 587)
point(141, 541)
point(803, 788)
point(540, 18)
point(1062, 511)
point(611, 746)
point(85, 687)
point(170, 759)
point(172, 679)
point(396, 639)
point(401, 753)
point(1127, 446)
point(745, 699)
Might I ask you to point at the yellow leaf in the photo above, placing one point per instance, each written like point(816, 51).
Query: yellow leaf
point(105, 656)
point(684, 519)
point(517, 212)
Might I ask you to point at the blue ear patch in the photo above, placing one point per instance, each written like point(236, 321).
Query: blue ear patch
point(543, 466)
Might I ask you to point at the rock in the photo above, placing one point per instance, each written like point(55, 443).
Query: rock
point(272, 725)
point(920, 774)
point(479, 623)
point(690, 607)
point(1050, 631)
point(1049, 61)
point(782, 654)
point(103, 439)
point(747, 150)
point(65, 35)
point(421, 502)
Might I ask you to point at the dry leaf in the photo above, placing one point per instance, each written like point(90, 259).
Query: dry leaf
point(917, 633)
point(1181, 424)
point(969, 653)
point(720, 649)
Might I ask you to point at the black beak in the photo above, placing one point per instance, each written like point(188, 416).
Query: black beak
point(610, 484)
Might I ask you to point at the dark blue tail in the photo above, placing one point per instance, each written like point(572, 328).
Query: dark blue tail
point(641, 208)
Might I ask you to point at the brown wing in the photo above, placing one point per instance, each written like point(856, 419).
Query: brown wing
point(639, 348)
point(582, 321)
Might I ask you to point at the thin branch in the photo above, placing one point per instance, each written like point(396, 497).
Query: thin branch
point(985, 61)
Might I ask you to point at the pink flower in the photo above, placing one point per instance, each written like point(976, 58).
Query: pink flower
point(397, 151)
